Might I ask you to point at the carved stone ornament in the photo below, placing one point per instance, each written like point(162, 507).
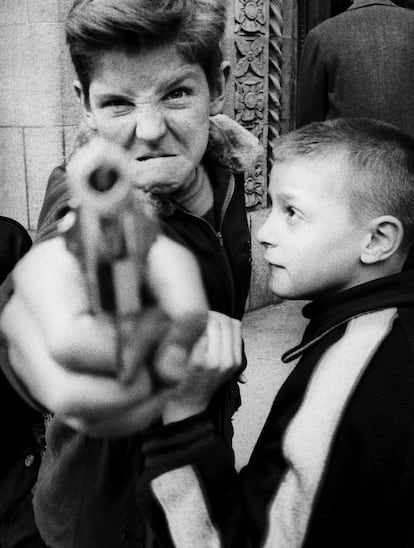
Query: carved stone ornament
point(275, 73)
point(249, 102)
point(252, 56)
point(254, 186)
point(250, 16)
point(258, 33)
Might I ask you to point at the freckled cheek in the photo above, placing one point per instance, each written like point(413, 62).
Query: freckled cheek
point(193, 121)
point(200, 114)
point(194, 133)
point(119, 131)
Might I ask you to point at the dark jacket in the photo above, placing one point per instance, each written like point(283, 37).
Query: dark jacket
point(85, 493)
point(360, 64)
point(363, 494)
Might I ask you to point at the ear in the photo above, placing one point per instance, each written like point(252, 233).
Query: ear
point(383, 239)
point(218, 89)
point(84, 102)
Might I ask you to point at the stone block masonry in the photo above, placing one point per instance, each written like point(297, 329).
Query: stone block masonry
point(35, 72)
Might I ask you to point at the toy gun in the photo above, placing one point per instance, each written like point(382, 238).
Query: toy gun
point(110, 232)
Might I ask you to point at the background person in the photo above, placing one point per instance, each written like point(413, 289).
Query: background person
point(359, 63)
point(22, 427)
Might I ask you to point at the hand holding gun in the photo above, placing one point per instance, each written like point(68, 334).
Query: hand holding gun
point(110, 232)
point(67, 319)
point(72, 294)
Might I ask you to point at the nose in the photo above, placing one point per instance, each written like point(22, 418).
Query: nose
point(266, 233)
point(150, 124)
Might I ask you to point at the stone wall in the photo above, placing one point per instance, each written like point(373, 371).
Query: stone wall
point(39, 113)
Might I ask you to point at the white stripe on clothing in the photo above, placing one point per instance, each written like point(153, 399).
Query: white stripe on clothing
point(180, 496)
point(308, 438)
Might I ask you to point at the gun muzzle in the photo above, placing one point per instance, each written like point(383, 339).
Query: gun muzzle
point(111, 235)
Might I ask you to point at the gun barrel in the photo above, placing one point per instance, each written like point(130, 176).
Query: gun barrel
point(100, 178)
point(112, 234)
point(103, 178)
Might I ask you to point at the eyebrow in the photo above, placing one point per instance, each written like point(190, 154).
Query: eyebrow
point(286, 197)
point(188, 73)
point(173, 80)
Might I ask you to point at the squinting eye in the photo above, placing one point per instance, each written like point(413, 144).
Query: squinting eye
point(179, 93)
point(290, 211)
point(115, 103)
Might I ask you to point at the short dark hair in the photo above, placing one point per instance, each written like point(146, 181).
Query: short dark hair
point(195, 27)
point(377, 157)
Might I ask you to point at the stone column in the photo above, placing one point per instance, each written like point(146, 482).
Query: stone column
point(264, 76)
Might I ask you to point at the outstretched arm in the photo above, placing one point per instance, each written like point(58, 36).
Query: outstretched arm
point(63, 358)
point(190, 492)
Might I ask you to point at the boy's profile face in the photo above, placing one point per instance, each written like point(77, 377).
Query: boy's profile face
point(312, 242)
point(157, 106)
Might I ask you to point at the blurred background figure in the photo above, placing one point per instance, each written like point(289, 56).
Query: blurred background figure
point(14, 242)
point(21, 425)
point(361, 64)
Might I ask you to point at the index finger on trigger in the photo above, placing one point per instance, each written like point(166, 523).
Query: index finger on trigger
point(139, 341)
point(171, 360)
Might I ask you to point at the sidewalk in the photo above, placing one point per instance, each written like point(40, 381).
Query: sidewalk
point(268, 333)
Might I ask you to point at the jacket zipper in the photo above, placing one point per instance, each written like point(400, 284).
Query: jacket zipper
point(219, 237)
point(227, 265)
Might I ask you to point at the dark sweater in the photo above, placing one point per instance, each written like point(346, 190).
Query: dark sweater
point(361, 495)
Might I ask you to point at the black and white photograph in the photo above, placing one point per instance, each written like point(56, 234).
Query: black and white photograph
point(207, 273)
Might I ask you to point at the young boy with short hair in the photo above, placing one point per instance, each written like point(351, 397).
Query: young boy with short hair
point(334, 463)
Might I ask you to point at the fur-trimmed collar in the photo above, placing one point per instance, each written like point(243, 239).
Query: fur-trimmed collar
point(229, 145)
